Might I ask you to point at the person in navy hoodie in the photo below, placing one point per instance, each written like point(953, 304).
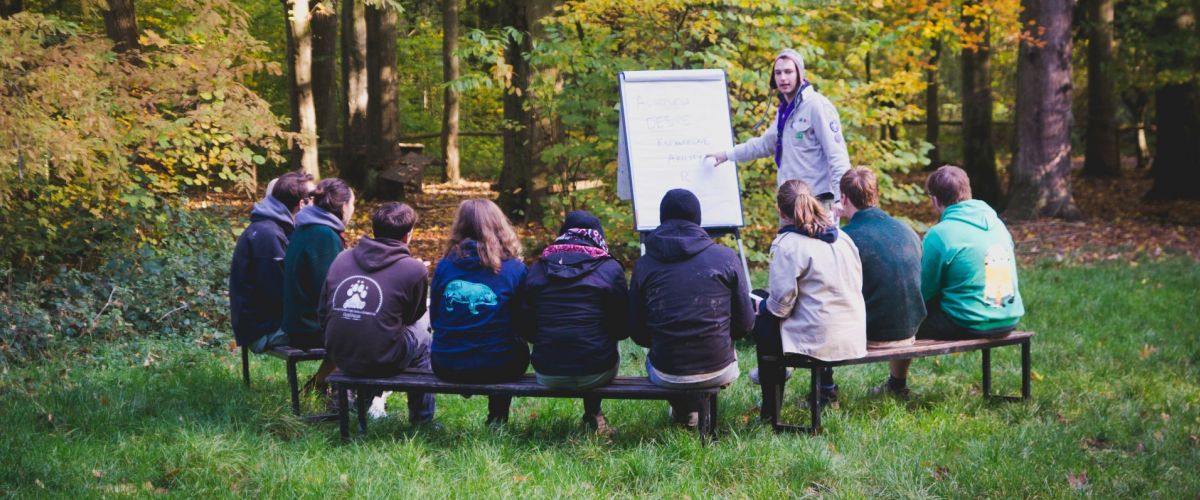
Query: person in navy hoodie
point(373, 306)
point(256, 270)
point(315, 243)
point(688, 301)
point(475, 290)
point(576, 303)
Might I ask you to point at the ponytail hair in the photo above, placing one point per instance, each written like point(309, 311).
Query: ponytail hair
point(332, 195)
point(801, 208)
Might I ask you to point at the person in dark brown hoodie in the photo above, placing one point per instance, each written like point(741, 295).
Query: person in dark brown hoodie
point(373, 306)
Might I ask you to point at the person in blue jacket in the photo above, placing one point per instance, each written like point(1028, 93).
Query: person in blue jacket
point(256, 270)
point(474, 294)
point(576, 303)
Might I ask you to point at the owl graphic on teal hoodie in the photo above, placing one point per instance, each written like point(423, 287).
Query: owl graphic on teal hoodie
point(969, 265)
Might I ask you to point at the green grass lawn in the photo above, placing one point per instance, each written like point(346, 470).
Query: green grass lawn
point(1115, 412)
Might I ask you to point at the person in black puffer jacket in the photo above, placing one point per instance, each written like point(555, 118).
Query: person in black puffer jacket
point(576, 303)
point(688, 301)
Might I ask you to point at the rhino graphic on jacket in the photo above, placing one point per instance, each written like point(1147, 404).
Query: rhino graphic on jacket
point(471, 294)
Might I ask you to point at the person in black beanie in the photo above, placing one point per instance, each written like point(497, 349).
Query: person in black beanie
point(576, 303)
point(687, 302)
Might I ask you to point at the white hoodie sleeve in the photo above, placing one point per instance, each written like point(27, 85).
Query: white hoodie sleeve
point(828, 129)
point(758, 147)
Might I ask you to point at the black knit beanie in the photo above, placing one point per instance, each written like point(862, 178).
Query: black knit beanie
point(679, 204)
point(581, 219)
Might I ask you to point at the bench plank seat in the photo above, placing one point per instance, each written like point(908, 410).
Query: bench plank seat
point(623, 387)
point(773, 392)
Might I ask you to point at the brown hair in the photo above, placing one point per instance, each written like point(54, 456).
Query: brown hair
point(393, 220)
point(861, 187)
point(797, 203)
point(482, 221)
point(949, 184)
point(332, 195)
point(291, 188)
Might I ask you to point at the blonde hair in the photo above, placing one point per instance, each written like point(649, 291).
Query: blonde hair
point(797, 203)
point(482, 221)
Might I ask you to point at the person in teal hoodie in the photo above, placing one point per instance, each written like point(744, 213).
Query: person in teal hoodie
point(968, 267)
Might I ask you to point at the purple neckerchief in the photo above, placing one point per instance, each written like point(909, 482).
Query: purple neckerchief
point(828, 236)
point(785, 112)
point(569, 248)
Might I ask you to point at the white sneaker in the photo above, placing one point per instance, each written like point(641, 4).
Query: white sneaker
point(787, 374)
point(378, 407)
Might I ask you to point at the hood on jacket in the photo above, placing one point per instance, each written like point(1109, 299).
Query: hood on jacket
point(466, 255)
point(313, 214)
point(677, 240)
point(374, 254)
point(974, 212)
point(272, 209)
point(568, 266)
point(790, 55)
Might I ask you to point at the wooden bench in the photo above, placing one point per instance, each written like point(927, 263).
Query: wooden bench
point(527, 386)
point(292, 357)
point(922, 348)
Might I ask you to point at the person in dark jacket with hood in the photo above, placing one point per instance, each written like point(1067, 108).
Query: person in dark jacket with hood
point(256, 270)
point(373, 306)
point(316, 242)
point(475, 291)
point(576, 303)
point(688, 301)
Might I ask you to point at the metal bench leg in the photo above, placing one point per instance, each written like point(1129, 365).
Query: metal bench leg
point(245, 366)
point(987, 373)
point(705, 423)
point(361, 402)
point(294, 385)
point(344, 412)
point(1025, 369)
point(814, 399)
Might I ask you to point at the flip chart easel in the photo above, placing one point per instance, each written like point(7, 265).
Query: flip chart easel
point(669, 120)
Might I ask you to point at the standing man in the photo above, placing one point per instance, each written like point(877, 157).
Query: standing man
point(805, 137)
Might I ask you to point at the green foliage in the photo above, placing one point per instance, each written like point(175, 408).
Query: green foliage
point(92, 144)
point(586, 44)
point(1116, 399)
point(176, 287)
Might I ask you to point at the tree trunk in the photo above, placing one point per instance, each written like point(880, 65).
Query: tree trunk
point(120, 23)
point(294, 151)
point(1040, 179)
point(324, 80)
point(383, 115)
point(354, 155)
point(10, 7)
point(449, 74)
point(300, 18)
point(1176, 167)
point(516, 175)
point(979, 155)
point(1101, 154)
point(932, 106)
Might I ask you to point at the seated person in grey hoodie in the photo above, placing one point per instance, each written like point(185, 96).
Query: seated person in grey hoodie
point(373, 306)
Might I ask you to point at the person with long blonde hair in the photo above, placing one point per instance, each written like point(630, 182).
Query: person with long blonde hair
point(815, 304)
point(474, 293)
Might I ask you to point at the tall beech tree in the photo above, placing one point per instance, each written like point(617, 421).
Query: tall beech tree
point(1176, 167)
point(450, 107)
point(325, 80)
point(979, 155)
point(301, 62)
point(1040, 177)
point(383, 112)
point(1101, 152)
point(354, 155)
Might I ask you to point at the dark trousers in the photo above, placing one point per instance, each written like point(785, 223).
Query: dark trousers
point(769, 342)
point(939, 326)
point(498, 406)
point(421, 405)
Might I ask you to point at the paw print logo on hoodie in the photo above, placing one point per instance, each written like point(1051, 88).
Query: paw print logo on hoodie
point(357, 296)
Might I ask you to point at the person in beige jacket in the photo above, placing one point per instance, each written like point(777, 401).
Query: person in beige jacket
point(815, 304)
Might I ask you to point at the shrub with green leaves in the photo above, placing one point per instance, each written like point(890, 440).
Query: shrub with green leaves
point(93, 144)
